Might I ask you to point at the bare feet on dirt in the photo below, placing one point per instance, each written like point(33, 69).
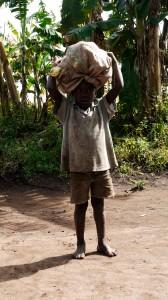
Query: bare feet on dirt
point(37, 235)
point(106, 250)
point(80, 252)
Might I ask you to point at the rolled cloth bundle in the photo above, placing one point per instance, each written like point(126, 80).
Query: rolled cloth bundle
point(83, 60)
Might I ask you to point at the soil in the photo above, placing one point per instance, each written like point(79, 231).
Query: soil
point(37, 240)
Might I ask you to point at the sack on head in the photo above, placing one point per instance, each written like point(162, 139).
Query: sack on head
point(83, 60)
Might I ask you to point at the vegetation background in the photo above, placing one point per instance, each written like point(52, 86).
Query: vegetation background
point(136, 31)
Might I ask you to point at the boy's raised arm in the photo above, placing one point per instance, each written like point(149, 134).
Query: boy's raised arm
point(117, 80)
point(52, 87)
point(54, 92)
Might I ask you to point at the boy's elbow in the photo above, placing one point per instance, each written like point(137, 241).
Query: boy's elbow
point(51, 84)
point(120, 85)
point(121, 81)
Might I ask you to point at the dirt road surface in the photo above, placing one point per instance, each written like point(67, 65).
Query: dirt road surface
point(37, 239)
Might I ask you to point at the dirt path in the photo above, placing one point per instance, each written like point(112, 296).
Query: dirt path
point(37, 239)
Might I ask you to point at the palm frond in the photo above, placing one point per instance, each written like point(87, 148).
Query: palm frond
point(19, 7)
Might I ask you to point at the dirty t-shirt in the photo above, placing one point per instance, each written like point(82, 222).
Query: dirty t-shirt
point(87, 143)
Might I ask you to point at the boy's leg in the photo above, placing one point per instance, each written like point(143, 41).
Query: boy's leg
point(79, 218)
point(98, 210)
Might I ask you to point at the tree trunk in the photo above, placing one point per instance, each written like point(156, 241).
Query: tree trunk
point(37, 87)
point(24, 83)
point(153, 59)
point(2, 91)
point(98, 35)
point(8, 76)
point(44, 114)
point(23, 63)
point(141, 56)
point(149, 61)
point(164, 53)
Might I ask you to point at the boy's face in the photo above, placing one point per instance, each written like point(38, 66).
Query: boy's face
point(84, 94)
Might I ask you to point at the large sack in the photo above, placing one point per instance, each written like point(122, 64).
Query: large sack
point(84, 60)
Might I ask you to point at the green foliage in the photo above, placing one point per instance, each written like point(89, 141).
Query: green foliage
point(84, 32)
point(124, 30)
point(88, 6)
point(28, 148)
point(138, 185)
point(41, 44)
point(75, 13)
point(19, 7)
point(158, 19)
point(142, 146)
point(140, 154)
point(130, 95)
point(126, 168)
point(42, 154)
point(45, 28)
point(107, 6)
point(159, 134)
point(132, 150)
point(71, 14)
point(142, 9)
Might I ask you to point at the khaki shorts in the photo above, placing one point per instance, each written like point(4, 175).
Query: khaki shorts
point(92, 184)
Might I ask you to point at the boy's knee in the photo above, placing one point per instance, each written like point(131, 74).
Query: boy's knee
point(81, 207)
point(97, 203)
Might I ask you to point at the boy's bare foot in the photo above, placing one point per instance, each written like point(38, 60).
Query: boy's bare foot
point(106, 250)
point(80, 252)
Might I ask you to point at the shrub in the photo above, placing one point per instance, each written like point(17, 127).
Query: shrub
point(28, 149)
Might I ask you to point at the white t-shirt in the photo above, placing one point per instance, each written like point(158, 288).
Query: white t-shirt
point(87, 143)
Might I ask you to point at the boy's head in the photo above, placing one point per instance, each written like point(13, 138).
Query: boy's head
point(84, 94)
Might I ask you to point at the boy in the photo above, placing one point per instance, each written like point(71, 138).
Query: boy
point(87, 152)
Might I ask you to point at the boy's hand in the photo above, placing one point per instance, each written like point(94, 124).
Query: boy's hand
point(55, 70)
point(117, 80)
point(56, 60)
point(51, 83)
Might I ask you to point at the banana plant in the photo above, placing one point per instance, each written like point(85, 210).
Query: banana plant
point(41, 44)
point(131, 29)
point(20, 8)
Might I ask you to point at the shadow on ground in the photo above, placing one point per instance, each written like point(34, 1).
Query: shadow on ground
point(19, 271)
point(42, 203)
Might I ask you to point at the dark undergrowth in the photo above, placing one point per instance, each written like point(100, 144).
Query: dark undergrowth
point(29, 149)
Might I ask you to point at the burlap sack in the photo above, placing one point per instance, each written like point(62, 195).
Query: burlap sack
point(84, 60)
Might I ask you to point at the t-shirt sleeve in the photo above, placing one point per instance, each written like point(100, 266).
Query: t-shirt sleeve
point(62, 110)
point(110, 109)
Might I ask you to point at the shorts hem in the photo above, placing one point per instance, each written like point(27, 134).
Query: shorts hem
point(96, 196)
